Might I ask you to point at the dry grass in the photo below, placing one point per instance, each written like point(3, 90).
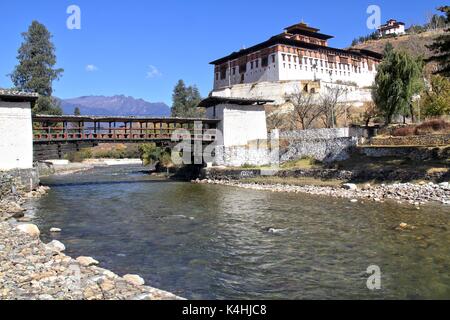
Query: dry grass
point(306, 163)
point(437, 126)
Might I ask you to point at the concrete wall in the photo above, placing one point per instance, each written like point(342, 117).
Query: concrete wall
point(16, 142)
point(238, 156)
point(239, 124)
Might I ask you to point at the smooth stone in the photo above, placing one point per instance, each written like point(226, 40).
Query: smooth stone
point(134, 279)
point(87, 261)
point(354, 201)
point(55, 230)
point(30, 229)
point(55, 245)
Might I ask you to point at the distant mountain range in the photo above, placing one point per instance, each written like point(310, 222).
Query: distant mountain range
point(119, 105)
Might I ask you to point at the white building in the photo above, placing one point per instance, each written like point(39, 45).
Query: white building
point(392, 27)
point(243, 135)
point(16, 132)
point(299, 57)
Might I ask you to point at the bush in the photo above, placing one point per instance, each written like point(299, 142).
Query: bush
point(433, 126)
point(152, 154)
point(404, 132)
point(79, 156)
point(429, 127)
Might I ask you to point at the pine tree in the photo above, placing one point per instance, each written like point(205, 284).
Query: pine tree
point(76, 111)
point(398, 80)
point(179, 99)
point(35, 71)
point(185, 101)
point(441, 47)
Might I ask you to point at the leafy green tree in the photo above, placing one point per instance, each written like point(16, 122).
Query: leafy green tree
point(437, 100)
point(77, 111)
point(398, 80)
point(151, 154)
point(35, 71)
point(185, 101)
point(441, 47)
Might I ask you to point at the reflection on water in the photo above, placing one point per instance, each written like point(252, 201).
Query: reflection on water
point(208, 242)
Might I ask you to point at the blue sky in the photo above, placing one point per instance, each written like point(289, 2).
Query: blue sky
point(141, 48)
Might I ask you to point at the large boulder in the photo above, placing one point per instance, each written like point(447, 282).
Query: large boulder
point(30, 229)
point(134, 279)
point(57, 246)
point(87, 261)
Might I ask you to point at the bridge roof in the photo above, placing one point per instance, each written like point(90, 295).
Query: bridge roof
point(214, 101)
point(67, 118)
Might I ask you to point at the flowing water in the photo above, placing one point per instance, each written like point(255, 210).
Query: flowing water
point(215, 242)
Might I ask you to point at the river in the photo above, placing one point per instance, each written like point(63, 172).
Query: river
point(215, 242)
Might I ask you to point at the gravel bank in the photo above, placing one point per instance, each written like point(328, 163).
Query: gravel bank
point(405, 192)
point(32, 270)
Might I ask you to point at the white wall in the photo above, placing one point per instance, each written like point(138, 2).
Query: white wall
point(240, 124)
point(16, 136)
point(277, 91)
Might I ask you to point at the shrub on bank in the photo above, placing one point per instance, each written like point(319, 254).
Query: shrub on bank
point(436, 126)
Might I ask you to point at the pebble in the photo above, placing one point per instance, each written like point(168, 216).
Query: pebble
point(29, 270)
point(414, 194)
point(55, 230)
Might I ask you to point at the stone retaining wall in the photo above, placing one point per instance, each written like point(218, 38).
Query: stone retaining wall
point(315, 134)
point(412, 153)
point(325, 145)
point(426, 140)
point(20, 179)
point(324, 150)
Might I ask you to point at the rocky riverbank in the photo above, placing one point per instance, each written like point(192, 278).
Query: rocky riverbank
point(415, 194)
point(33, 270)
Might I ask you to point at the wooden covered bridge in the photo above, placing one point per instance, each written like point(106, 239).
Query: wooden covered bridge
point(55, 136)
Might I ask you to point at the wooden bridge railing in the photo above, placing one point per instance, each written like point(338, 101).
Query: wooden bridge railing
point(47, 129)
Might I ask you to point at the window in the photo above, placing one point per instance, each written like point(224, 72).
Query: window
point(223, 74)
point(306, 60)
point(265, 62)
point(273, 58)
point(243, 68)
point(295, 59)
point(289, 58)
point(257, 63)
point(217, 76)
point(284, 57)
point(234, 71)
point(251, 65)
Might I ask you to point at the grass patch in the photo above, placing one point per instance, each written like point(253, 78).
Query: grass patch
point(305, 163)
